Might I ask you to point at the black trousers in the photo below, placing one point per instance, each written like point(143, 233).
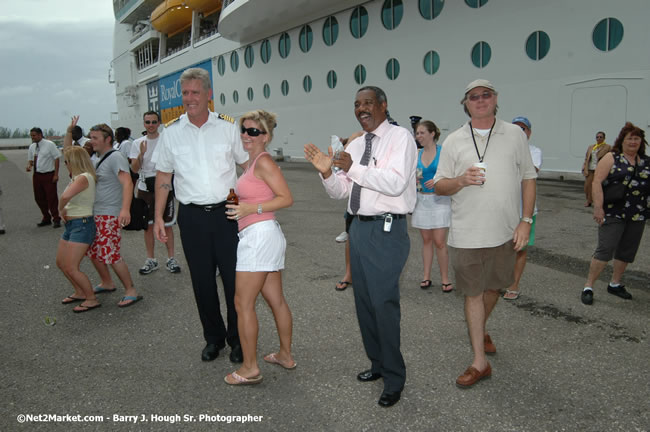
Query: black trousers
point(210, 240)
point(376, 260)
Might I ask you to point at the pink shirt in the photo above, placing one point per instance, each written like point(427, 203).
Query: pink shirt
point(252, 190)
point(388, 182)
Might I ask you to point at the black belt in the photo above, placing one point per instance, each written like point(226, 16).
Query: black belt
point(207, 207)
point(379, 217)
point(49, 172)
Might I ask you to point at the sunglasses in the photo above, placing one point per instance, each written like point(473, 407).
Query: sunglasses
point(151, 122)
point(252, 131)
point(476, 96)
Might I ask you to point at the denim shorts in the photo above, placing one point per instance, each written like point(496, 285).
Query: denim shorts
point(81, 230)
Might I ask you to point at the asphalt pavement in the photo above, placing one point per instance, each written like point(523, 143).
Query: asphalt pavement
point(560, 365)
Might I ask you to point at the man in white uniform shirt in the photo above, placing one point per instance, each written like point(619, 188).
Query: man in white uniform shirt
point(486, 230)
point(43, 157)
point(377, 173)
point(202, 149)
point(141, 163)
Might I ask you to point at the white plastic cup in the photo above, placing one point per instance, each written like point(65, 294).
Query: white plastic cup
point(483, 167)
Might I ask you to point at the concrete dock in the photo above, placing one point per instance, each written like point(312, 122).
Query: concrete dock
point(560, 365)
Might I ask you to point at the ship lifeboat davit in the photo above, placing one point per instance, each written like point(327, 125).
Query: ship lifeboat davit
point(171, 17)
point(206, 7)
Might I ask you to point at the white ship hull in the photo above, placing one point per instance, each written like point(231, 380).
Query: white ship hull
point(575, 90)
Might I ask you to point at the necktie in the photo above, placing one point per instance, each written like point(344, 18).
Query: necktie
point(355, 197)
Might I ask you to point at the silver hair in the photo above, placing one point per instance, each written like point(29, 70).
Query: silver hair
point(197, 74)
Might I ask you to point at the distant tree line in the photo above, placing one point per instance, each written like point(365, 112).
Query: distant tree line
point(24, 133)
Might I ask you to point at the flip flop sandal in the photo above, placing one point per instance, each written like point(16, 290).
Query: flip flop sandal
point(99, 290)
point(513, 295)
point(70, 299)
point(427, 284)
point(271, 358)
point(131, 300)
point(240, 380)
point(85, 308)
point(445, 289)
point(344, 285)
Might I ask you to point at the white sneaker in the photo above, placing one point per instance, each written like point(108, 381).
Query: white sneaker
point(342, 238)
point(149, 266)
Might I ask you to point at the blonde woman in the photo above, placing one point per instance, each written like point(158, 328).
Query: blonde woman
point(76, 209)
point(262, 190)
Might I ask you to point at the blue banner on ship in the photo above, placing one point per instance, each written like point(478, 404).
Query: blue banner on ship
point(165, 96)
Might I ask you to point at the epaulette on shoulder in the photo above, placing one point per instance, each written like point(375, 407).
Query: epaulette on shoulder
point(169, 123)
point(227, 118)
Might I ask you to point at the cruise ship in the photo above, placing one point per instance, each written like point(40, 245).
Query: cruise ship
point(573, 67)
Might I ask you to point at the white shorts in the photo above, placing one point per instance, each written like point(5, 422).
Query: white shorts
point(261, 247)
point(431, 211)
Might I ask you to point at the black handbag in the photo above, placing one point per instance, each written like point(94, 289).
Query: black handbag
point(613, 193)
point(139, 215)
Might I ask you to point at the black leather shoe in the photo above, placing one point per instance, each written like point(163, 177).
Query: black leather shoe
point(44, 223)
point(367, 376)
point(587, 297)
point(56, 224)
point(236, 356)
point(210, 352)
point(619, 291)
point(389, 399)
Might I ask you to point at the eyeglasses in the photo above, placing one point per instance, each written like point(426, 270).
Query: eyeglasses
point(476, 96)
point(252, 131)
point(151, 122)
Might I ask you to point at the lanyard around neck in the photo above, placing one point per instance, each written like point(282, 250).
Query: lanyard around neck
point(471, 129)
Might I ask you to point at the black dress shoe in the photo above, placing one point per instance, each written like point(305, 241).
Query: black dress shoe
point(210, 352)
point(367, 376)
point(619, 291)
point(587, 297)
point(44, 223)
point(389, 399)
point(56, 224)
point(236, 356)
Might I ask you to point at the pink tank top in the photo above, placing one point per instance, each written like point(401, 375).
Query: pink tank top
point(250, 189)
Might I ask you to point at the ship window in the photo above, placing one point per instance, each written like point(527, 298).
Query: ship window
point(330, 31)
point(235, 96)
point(392, 69)
point(359, 22)
point(250, 93)
point(607, 34)
point(234, 61)
point(223, 99)
point(284, 46)
point(249, 56)
point(306, 83)
point(331, 79)
point(306, 38)
point(360, 74)
point(265, 51)
point(430, 9)
point(267, 91)
point(476, 3)
point(147, 54)
point(431, 62)
point(391, 13)
point(284, 87)
point(481, 53)
point(221, 65)
point(537, 45)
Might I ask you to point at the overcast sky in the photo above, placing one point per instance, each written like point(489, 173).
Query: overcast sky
point(55, 60)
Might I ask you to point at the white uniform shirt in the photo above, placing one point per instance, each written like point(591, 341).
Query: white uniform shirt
point(388, 182)
point(147, 168)
point(47, 152)
point(202, 159)
point(81, 141)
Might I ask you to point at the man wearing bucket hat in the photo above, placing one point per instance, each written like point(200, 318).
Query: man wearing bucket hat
point(487, 170)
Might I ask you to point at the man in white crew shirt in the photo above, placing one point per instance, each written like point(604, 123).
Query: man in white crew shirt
point(202, 149)
point(377, 173)
point(486, 230)
point(141, 163)
point(43, 156)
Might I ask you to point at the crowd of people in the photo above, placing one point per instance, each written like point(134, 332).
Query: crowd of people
point(472, 198)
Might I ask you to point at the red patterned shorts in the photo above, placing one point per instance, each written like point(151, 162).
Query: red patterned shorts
point(106, 246)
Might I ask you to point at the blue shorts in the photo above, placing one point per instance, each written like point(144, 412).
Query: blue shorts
point(81, 230)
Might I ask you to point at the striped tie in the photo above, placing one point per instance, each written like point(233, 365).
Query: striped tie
point(355, 198)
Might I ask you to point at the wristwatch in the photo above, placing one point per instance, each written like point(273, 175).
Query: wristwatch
point(527, 220)
point(259, 209)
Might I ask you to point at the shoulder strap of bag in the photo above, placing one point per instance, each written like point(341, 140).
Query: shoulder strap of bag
point(103, 158)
